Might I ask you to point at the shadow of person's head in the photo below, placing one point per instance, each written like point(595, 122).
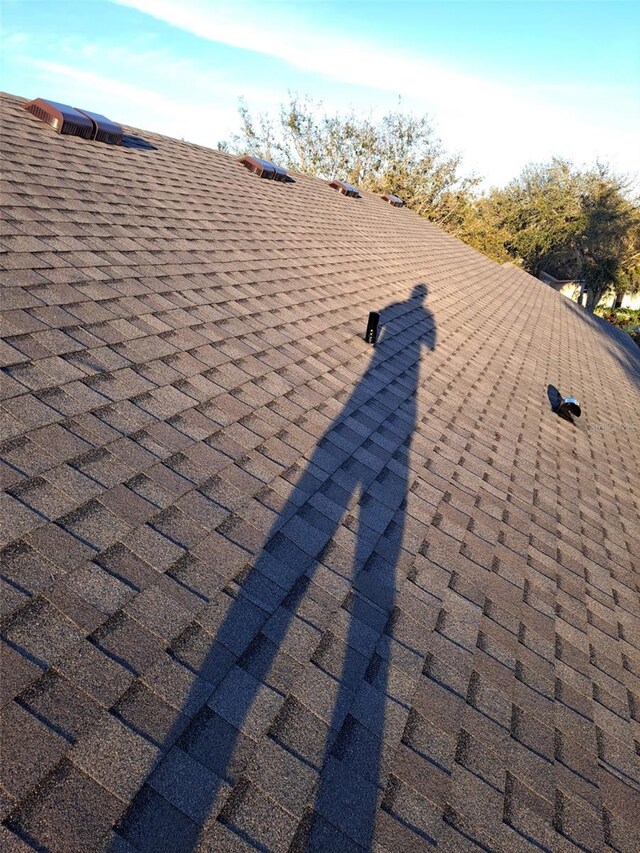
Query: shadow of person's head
point(420, 292)
point(407, 324)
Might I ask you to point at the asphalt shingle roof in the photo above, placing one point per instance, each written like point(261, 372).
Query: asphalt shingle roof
point(266, 587)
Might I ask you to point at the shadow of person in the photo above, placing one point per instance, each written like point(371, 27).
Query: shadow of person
point(359, 467)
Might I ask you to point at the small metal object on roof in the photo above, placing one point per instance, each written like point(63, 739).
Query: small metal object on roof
point(104, 130)
point(565, 407)
point(569, 406)
point(371, 335)
point(393, 200)
point(264, 168)
point(61, 117)
point(345, 188)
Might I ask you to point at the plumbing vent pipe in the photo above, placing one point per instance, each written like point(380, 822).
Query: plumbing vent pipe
point(371, 335)
point(565, 407)
point(345, 188)
point(569, 406)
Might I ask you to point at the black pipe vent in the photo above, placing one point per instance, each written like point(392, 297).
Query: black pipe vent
point(62, 118)
point(393, 200)
point(264, 168)
point(345, 188)
point(104, 130)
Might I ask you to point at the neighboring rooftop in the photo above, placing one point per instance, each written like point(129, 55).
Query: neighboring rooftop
point(268, 588)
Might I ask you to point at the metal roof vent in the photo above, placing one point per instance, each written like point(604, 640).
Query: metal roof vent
point(569, 406)
point(565, 407)
point(393, 200)
point(345, 188)
point(104, 130)
point(62, 118)
point(75, 122)
point(264, 168)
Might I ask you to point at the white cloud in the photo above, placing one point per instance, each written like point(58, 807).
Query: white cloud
point(497, 126)
point(137, 82)
point(135, 105)
point(14, 39)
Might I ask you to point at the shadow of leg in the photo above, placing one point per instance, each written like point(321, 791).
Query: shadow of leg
point(352, 781)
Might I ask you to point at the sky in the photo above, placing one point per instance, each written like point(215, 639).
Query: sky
point(504, 83)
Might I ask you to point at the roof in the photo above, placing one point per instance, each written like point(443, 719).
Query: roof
point(266, 587)
point(556, 283)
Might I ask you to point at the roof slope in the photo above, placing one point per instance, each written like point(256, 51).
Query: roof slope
point(266, 587)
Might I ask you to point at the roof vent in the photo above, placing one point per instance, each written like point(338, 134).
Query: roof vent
point(264, 168)
point(565, 407)
point(393, 200)
point(62, 118)
point(104, 130)
point(345, 189)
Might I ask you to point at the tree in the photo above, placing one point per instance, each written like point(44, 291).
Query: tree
point(628, 277)
point(537, 215)
point(611, 242)
point(399, 154)
point(574, 224)
point(608, 218)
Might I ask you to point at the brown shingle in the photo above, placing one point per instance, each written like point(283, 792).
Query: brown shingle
point(17, 673)
point(196, 442)
point(29, 750)
point(70, 813)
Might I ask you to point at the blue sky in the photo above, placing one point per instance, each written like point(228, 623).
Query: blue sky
point(505, 83)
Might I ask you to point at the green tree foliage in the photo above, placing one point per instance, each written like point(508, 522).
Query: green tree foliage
point(627, 275)
point(536, 214)
point(572, 223)
point(575, 224)
point(399, 154)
